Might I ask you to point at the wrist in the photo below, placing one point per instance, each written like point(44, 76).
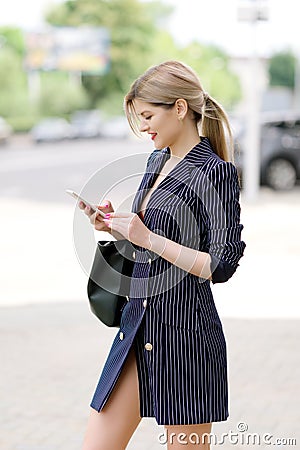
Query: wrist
point(147, 243)
point(157, 243)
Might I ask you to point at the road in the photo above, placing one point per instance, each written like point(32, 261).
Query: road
point(43, 172)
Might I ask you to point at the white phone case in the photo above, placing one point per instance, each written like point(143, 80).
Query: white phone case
point(78, 198)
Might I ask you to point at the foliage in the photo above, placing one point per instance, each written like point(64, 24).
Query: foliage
point(60, 96)
point(212, 67)
point(22, 123)
point(138, 40)
point(164, 48)
point(132, 27)
point(282, 69)
point(12, 38)
point(13, 89)
point(11, 71)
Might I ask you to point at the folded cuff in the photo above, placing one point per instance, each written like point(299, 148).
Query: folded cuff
point(221, 270)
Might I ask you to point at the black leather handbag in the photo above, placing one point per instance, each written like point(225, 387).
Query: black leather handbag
point(109, 280)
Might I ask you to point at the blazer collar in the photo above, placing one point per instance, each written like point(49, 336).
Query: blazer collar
point(198, 155)
point(194, 159)
point(178, 176)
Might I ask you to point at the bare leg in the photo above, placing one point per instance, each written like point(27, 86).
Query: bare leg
point(187, 436)
point(112, 428)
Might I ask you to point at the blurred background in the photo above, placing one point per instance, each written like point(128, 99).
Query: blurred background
point(64, 69)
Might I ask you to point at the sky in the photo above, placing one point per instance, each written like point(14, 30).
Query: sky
point(209, 21)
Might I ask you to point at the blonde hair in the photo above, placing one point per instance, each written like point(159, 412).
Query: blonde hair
point(163, 84)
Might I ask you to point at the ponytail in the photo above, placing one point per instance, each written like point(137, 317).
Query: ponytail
point(215, 125)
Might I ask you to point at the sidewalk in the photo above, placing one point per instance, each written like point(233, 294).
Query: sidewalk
point(52, 355)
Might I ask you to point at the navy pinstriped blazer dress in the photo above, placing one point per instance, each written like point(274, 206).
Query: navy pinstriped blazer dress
point(171, 319)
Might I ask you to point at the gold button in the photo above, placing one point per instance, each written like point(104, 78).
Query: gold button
point(127, 298)
point(148, 346)
point(144, 303)
point(149, 260)
point(133, 255)
point(121, 335)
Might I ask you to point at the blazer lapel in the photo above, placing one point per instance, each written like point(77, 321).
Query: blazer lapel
point(152, 172)
point(176, 178)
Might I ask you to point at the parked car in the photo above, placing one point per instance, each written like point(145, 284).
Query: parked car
point(87, 123)
point(115, 128)
point(279, 149)
point(5, 131)
point(52, 129)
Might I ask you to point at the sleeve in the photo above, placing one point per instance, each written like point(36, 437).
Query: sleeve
point(222, 217)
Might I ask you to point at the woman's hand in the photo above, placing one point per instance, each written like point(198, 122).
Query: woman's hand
point(95, 217)
point(130, 226)
point(97, 220)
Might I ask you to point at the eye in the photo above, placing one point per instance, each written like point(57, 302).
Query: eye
point(148, 117)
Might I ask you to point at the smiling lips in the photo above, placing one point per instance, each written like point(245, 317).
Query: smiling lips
point(153, 136)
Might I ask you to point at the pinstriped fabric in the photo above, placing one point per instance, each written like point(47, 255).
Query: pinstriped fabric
point(183, 375)
point(130, 323)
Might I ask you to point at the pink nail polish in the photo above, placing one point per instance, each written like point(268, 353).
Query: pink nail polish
point(107, 216)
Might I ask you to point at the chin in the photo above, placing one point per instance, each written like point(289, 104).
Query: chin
point(159, 146)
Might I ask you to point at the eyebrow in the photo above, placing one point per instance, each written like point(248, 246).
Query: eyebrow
point(144, 112)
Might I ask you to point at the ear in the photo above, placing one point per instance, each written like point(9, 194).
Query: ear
point(181, 108)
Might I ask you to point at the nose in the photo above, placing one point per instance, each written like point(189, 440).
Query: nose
point(143, 126)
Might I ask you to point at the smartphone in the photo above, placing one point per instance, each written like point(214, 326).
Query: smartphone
point(79, 198)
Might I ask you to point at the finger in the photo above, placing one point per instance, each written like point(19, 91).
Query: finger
point(120, 215)
point(119, 226)
point(106, 207)
point(107, 222)
point(106, 203)
point(90, 211)
point(115, 225)
point(87, 210)
point(99, 214)
point(103, 207)
point(100, 226)
point(95, 218)
point(92, 218)
point(119, 221)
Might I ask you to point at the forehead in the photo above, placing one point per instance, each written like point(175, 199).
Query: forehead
point(143, 107)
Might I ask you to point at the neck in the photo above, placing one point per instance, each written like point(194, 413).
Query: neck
point(186, 140)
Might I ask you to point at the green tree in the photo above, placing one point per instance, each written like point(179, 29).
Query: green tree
point(212, 67)
point(12, 38)
point(13, 88)
point(59, 95)
point(282, 69)
point(164, 47)
point(132, 26)
point(138, 40)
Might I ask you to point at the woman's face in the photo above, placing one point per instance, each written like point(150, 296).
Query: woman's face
point(163, 125)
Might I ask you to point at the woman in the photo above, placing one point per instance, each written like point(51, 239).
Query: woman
point(168, 359)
